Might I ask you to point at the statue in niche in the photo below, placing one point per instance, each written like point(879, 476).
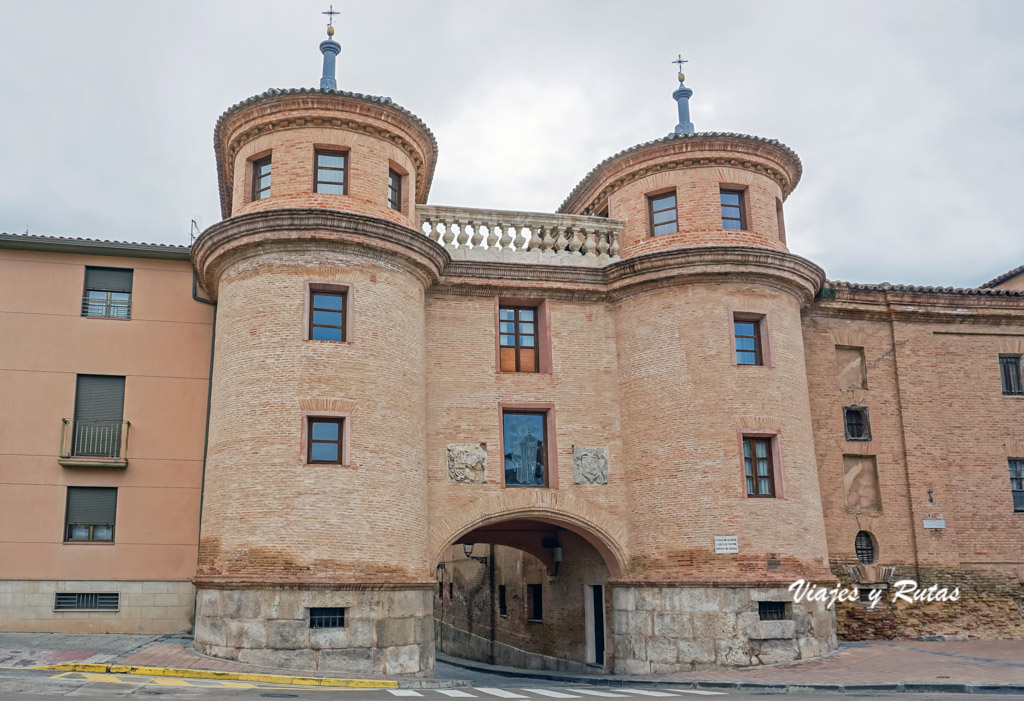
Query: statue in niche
point(467, 463)
point(589, 465)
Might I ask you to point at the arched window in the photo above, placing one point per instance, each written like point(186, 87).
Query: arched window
point(865, 547)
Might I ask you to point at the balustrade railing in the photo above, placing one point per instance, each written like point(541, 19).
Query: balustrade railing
point(494, 234)
point(85, 440)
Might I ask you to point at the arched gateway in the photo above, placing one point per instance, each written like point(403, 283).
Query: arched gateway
point(618, 390)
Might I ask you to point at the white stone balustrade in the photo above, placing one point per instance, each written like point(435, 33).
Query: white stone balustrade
point(522, 237)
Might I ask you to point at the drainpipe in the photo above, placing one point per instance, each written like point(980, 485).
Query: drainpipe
point(494, 609)
point(206, 435)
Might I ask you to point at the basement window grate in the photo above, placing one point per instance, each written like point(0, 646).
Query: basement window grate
point(86, 601)
point(771, 610)
point(327, 618)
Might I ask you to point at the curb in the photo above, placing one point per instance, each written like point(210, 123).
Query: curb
point(226, 676)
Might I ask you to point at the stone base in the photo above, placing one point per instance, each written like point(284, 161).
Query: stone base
point(144, 607)
point(387, 631)
point(659, 629)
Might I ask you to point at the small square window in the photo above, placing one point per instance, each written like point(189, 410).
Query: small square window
point(1017, 483)
point(771, 610)
point(395, 190)
point(857, 423)
point(261, 179)
point(327, 312)
point(325, 441)
point(330, 172)
point(758, 471)
point(1010, 368)
point(747, 335)
point(327, 618)
point(733, 212)
point(535, 602)
point(663, 215)
point(525, 438)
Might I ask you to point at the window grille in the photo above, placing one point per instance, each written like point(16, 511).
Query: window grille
point(858, 427)
point(1009, 367)
point(771, 610)
point(864, 544)
point(86, 601)
point(327, 618)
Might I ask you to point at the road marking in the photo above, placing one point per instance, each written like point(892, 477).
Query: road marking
point(501, 693)
point(171, 681)
point(456, 693)
point(594, 692)
point(552, 694)
point(701, 692)
point(404, 692)
point(645, 692)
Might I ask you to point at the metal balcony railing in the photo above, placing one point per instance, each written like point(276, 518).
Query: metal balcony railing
point(91, 442)
point(107, 305)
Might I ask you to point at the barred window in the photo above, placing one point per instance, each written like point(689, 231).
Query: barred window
point(1009, 367)
point(327, 618)
point(771, 610)
point(858, 428)
point(864, 544)
point(1017, 483)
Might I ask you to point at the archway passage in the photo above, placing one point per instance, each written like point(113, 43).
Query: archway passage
point(525, 593)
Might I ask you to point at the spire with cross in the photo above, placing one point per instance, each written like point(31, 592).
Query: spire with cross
point(330, 49)
point(682, 97)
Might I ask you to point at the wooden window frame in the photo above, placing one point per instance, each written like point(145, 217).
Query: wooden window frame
point(773, 456)
point(762, 352)
point(543, 318)
point(343, 295)
point(1013, 491)
point(319, 287)
point(395, 203)
point(723, 190)
point(256, 190)
point(344, 418)
point(863, 412)
point(551, 448)
point(516, 321)
point(651, 211)
point(1004, 374)
point(346, 170)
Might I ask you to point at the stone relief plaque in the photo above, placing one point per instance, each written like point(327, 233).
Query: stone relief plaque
point(467, 463)
point(589, 465)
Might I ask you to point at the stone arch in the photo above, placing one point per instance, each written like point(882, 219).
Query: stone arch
point(593, 524)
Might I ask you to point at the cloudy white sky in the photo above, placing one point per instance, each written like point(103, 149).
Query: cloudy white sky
point(909, 116)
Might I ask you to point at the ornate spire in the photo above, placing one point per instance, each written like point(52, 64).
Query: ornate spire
point(682, 97)
point(330, 49)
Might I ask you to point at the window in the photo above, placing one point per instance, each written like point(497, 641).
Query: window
point(1017, 483)
point(748, 341)
point(757, 466)
point(864, 545)
point(1009, 366)
point(327, 618)
point(261, 179)
point(329, 176)
point(99, 416)
point(325, 441)
point(780, 220)
point(327, 315)
point(733, 216)
point(86, 601)
point(395, 190)
point(502, 601)
point(865, 595)
point(108, 293)
point(451, 590)
point(851, 368)
point(858, 427)
point(771, 610)
point(535, 602)
point(517, 330)
point(90, 514)
point(525, 441)
point(662, 211)
point(860, 482)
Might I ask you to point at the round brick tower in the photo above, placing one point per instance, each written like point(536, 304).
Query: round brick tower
point(716, 420)
point(314, 507)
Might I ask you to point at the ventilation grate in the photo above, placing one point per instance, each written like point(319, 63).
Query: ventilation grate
point(86, 601)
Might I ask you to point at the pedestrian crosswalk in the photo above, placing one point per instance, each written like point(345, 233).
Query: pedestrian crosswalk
point(552, 693)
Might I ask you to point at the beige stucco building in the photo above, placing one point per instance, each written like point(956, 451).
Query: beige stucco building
point(646, 415)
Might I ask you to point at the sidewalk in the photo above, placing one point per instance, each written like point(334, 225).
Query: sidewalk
point(977, 662)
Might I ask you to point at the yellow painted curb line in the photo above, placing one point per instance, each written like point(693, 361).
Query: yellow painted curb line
point(211, 674)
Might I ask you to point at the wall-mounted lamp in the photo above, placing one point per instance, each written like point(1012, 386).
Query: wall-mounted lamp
point(467, 550)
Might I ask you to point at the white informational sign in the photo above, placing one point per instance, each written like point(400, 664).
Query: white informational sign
point(726, 544)
point(935, 523)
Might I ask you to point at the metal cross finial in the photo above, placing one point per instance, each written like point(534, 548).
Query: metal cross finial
point(680, 61)
point(330, 15)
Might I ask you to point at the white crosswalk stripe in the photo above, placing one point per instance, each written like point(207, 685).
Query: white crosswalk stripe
point(699, 692)
point(594, 692)
point(552, 694)
point(456, 693)
point(404, 692)
point(501, 693)
point(645, 692)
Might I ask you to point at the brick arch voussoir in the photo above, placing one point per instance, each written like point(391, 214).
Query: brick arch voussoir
point(597, 526)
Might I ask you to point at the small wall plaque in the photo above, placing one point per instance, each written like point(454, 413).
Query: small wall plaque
point(726, 544)
point(935, 523)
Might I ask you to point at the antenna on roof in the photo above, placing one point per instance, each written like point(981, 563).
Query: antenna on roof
point(193, 232)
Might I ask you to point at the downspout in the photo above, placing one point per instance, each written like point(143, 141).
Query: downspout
point(206, 435)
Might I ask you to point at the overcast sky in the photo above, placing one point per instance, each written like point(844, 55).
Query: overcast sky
point(908, 116)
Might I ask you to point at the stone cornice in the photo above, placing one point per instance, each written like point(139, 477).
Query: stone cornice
point(299, 229)
point(322, 108)
point(702, 150)
point(919, 304)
